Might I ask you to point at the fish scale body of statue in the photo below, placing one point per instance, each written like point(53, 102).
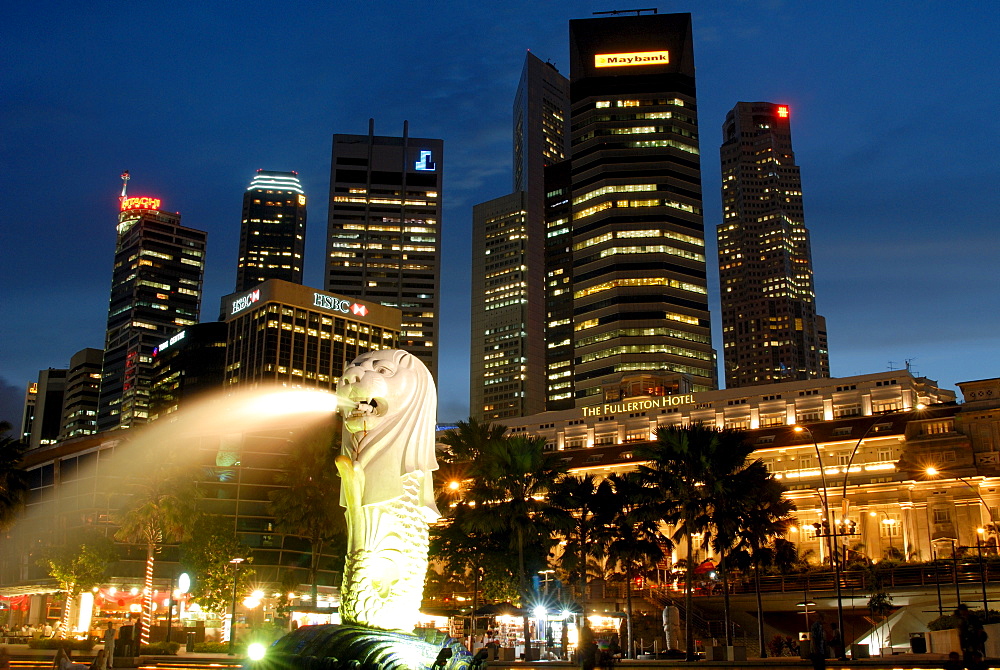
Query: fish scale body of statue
point(388, 401)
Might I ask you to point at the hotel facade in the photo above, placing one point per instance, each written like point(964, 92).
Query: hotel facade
point(875, 439)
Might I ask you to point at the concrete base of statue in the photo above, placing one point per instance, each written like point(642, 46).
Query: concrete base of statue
point(353, 647)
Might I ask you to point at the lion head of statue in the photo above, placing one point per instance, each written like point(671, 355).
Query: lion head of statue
point(389, 405)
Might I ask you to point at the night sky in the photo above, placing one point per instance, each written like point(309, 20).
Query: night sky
point(894, 124)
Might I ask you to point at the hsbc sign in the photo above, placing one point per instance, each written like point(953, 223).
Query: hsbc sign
point(245, 301)
point(335, 304)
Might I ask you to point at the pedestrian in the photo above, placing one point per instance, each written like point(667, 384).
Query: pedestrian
point(100, 661)
point(589, 650)
point(971, 635)
point(817, 640)
point(109, 645)
point(837, 643)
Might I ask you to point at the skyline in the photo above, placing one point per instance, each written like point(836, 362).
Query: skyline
point(892, 133)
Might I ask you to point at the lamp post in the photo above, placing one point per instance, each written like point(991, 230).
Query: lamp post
point(232, 620)
point(832, 533)
point(934, 472)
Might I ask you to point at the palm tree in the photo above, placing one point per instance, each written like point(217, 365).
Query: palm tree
point(13, 479)
point(308, 504)
point(465, 551)
point(634, 542)
point(161, 509)
point(764, 517)
point(588, 502)
point(688, 465)
point(468, 439)
point(510, 480)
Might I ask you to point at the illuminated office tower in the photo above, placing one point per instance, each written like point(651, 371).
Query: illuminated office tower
point(155, 291)
point(770, 329)
point(49, 392)
point(501, 386)
point(508, 258)
point(83, 388)
point(384, 231)
point(273, 235)
point(640, 296)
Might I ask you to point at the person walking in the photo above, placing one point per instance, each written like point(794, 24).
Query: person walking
point(109, 644)
point(817, 642)
point(837, 649)
point(971, 635)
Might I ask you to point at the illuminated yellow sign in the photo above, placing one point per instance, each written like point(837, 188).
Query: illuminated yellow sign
point(302, 200)
point(639, 405)
point(635, 58)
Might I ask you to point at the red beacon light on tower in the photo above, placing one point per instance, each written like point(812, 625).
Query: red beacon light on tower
point(782, 111)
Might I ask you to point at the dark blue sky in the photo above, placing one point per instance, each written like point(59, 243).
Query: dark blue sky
point(894, 123)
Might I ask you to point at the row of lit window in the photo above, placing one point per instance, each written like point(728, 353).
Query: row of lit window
point(639, 281)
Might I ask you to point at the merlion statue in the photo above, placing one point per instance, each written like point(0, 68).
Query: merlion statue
point(389, 405)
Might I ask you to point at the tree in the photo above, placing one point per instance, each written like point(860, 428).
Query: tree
point(209, 551)
point(469, 553)
point(468, 439)
point(161, 509)
point(308, 505)
point(688, 465)
point(632, 539)
point(78, 565)
point(13, 478)
point(588, 503)
point(762, 515)
point(510, 481)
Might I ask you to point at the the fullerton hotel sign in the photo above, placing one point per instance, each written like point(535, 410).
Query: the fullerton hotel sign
point(639, 405)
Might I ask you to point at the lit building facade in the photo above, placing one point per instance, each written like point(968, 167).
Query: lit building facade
point(47, 408)
point(155, 290)
point(639, 284)
point(273, 234)
point(384, 232)
point(508, 267)
point(912, 469)
point(191, 362)
point(292, 335)
point(83, 390)
point(770, 329)
point(501, 383)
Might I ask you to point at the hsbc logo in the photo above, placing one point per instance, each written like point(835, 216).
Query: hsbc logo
point(243, 302)
point(335, 304)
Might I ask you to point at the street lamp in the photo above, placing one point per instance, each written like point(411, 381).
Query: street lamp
point(834, 550)
point(980, 532)
point(232, 620)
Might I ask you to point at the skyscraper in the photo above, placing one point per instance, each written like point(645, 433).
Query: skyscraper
point(83, 387)
point(273, 235)
point(501, 310)
point(507, 353)
point(640, 294)
point(770, 329)
point(384, 232)
point(155, 291)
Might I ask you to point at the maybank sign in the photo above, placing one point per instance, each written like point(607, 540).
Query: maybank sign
point(639, 405)
point(635, 58)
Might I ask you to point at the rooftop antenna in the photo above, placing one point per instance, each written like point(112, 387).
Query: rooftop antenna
point(892, 365)
point(125, 179)
point(909, 362)
point(628, 11)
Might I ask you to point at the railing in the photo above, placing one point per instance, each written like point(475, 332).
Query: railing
point(923, 575)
